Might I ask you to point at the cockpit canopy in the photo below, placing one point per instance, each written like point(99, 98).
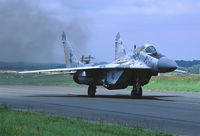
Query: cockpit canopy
point(150, 49)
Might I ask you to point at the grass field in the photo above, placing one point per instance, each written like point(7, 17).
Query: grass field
point(166, 83)
point(10, 78)
point(174, 83)
point(24, 123)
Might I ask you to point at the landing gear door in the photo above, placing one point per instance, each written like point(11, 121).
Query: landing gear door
point(113, 76)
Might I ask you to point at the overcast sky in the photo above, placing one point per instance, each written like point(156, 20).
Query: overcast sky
point(173, 26)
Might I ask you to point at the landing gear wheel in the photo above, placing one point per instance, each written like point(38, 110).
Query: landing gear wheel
point(91, 91)
point(136, 93)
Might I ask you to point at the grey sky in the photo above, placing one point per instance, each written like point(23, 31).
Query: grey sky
point(173, 26)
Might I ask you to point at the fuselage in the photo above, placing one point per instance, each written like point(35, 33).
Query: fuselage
point(118, 78)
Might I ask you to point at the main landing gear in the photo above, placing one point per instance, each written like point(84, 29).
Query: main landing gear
point(91, 90)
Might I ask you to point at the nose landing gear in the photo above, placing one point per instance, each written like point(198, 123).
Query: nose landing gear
point(137, 89)
point(91, 90)
point(136, 92)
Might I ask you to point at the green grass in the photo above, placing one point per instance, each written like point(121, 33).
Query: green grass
point(175, 83)
point(161, 83)
point(24, 123)
point(8, 78)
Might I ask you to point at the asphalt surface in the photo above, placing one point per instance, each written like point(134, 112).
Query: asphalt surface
point(175, 113)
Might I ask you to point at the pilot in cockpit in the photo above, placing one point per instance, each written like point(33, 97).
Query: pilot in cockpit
point(150, 49)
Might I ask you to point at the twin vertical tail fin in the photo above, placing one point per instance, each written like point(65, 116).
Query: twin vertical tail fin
point(119, 48)
point(70, 59)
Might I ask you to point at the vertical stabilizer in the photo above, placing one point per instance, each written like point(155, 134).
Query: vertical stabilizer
point(119, 48)
point(70, 59)
point(64, 46)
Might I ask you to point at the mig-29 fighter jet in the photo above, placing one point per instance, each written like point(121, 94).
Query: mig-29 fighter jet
point(129, 69)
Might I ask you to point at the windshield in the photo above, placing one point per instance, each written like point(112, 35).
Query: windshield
point(150, 49)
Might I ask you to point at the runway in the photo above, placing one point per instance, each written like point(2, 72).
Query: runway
point(175, 113)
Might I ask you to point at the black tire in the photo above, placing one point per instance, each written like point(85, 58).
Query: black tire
point(91, 91)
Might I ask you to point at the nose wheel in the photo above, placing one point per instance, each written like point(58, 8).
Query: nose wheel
point(137, 91)
point(91, 90)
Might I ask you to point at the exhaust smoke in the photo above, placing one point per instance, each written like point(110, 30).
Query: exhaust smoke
point(29, 34)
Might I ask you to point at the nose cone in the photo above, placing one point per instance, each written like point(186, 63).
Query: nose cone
point(166, 65)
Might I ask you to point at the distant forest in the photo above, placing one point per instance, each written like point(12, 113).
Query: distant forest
point(28, 66)
point(187, 64)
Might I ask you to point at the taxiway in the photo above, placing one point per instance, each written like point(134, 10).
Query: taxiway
point(176, 113)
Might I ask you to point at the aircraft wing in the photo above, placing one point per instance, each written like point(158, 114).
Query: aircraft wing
point(185, 72)
point(67, 70)
point(181, 71)
point(99, 67)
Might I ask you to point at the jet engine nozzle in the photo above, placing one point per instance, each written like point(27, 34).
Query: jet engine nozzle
point(166, 65)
